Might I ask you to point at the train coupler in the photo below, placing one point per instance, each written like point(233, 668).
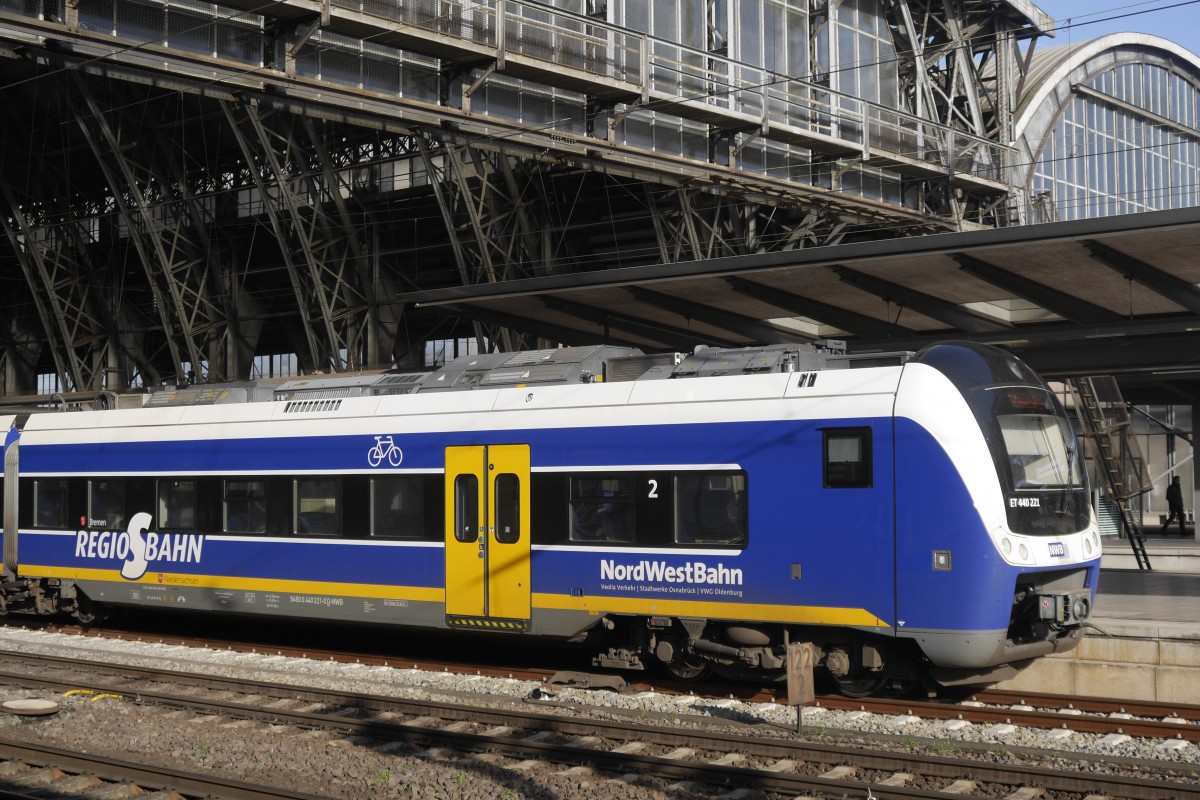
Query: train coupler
point(1065, 607)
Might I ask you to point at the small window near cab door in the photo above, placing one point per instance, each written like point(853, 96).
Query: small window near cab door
point(508, 508)
point(847, 454)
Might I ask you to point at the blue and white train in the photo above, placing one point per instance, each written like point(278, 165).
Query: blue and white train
point(925, 521)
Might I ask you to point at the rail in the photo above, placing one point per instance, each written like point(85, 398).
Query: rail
point(703, 754)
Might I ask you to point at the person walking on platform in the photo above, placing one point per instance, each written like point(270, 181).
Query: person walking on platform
point(1175, 506)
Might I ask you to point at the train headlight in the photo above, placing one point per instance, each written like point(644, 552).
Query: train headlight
point(1087, 545)
point(1023, 551)
point(1006, 546)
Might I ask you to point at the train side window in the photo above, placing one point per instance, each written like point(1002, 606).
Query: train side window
point(548, 514)
point(245, 506)
point(508, 508)
point(398, 506)
point(140, 495)
point(106, 503)
point(466, 508)
point(711, 508)
point(434, 487)
point(177, 504)
point(847, 453)
point(316, 509)
point(50, 503)
point(602, 508)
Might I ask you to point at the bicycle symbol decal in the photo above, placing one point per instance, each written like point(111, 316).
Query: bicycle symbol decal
point(385, 447)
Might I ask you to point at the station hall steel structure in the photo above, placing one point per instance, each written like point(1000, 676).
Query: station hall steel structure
point(187, 185)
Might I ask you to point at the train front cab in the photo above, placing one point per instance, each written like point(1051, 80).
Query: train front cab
point(997, 548)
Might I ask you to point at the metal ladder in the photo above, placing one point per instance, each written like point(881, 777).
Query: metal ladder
point(1104, 419)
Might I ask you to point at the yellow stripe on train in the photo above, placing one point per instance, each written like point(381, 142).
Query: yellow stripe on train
point(753, 612)
point(757, 612)
point(178, 581)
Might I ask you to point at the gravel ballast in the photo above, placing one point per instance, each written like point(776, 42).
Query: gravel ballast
point(327, 763)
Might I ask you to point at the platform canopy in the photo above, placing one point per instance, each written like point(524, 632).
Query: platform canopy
point(1116, 295)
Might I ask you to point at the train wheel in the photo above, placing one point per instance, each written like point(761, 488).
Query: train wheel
point(87, 612)
point(859, 685)
point(687, 668)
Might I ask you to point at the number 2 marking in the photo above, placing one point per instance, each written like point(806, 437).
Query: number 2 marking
point(653, 489)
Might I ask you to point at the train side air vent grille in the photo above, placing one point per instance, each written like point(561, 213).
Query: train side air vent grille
point(631, 368)
point(311, 406)
point(322, 394)
point(398, 384)
point(409, 377)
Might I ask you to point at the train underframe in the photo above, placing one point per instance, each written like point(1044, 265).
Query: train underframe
point(858, 663)
point(45, 596)
point(1043, 620)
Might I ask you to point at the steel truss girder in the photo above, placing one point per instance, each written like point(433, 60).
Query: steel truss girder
point(21, 345)
point(691, 225)
point(487, 208)
point(961, 66)
point(487, 198)
point(149, 236)
point(78, 316)
point(321, 251)
point(166, 222)
point(959, 61)
point(58, 294)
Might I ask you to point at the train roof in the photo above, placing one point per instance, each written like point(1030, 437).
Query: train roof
point(529, 368)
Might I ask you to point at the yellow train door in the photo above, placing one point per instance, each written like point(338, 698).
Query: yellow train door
point(487, 537)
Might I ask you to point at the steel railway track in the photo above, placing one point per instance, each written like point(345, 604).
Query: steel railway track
point(702, 757)
point(1080, 714)
point(34, 770)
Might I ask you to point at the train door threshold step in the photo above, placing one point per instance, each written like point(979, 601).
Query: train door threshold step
point(488, 623)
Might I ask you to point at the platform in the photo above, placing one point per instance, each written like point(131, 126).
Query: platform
point(1152, 621)
point(1168, 553)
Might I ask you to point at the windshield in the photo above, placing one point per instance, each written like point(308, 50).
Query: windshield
point(1039, 453)
point(1028, 433)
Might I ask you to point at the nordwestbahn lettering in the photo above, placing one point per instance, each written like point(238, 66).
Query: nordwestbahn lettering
point(658, 571)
